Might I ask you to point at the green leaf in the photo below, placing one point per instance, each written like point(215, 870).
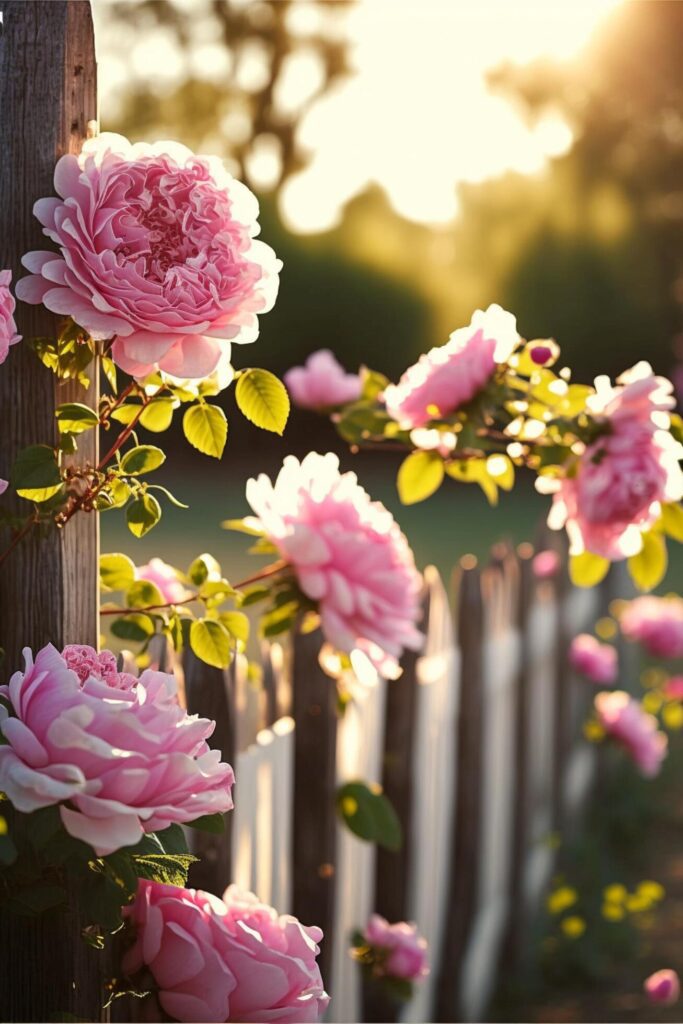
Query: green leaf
point(253, 595)
point(372, 383)
point(419, 476)
point(241, 527)
point(587, 569)
point(237, 625)
point(206, 428)
point(117, 571)
point(168, 868)
point(263, 399)
point(109, 368)
point(143, 514)
point(35, 474)
point(672, 521)
point(143, 459)
point(137, 628)
point(648, 567)
point(38, 899)
point(74, 418)
point(126, 413)
point(214, 823)
point(502, 471)
point(142, 593)
point(203, 566)
point(211, 642)
point(158, 415)
point(368, 814)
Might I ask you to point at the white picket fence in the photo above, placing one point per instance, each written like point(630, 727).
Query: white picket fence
point(515, 646)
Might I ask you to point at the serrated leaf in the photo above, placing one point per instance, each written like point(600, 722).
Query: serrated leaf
point(75, 418)
point(672, 521)
point(211, 642)
point(137, 628)
point(167, 868)
point(143, 459)
point(648, 567)
point(206, 428)
point(419, 476)
point(143, 514)
point(263, 399)
point(587, 569)
point(117, 571)
point(158, 415)
point(35, 474)
point(367, 812)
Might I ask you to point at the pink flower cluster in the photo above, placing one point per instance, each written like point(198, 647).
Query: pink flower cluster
point(597, 662)
point(8, 328)
point(623, 478)
point(157, 251)
point(663, 987)
point(403, 951)
point(322, 383)
point(224, 960)
point(656, 623)
point(624, 720)
point(118, 754)
point(450, 375)
point(165, 579)
point(347, 553)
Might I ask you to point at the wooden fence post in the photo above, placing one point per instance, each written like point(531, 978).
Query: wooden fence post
point(48, 586)
point(314, 709)
point(464, 880)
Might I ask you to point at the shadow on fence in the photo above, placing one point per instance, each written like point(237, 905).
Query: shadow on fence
point(479, 747)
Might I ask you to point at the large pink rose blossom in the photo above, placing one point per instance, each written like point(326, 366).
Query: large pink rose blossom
point(597, 662)
point(157, 250)
point(623, 478)
point(450, 375)
point(348, 555)
point(624, 720)
point(8, 328)
point(403, 950)
point(656, 623)
point(224, 960)
point(118, 754)
point(322, 382)
point(663, 987)
point(165, 579)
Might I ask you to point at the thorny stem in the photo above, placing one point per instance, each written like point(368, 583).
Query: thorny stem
point(270, 570)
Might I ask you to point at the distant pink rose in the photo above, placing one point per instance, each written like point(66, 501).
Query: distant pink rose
point(624, 720)
point(546, 564)
point(625, 476)
point(597, 662)
point(663, 987)
point(118, 754)
point(450, 375)
point(157, 251)
point(673, 688)
point(165, 579)
point(404, 948)
point(656, 623)
point(347, 553)
point(8, 328)
point(4, 484)
point(322, 382)
point(218, 961)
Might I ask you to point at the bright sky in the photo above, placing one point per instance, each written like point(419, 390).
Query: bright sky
point(416, 116)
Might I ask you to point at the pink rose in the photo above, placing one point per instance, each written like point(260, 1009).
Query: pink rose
point(546, 564)
point(656, 623)
point(8, 328)
point(624, 720)
point(218, 961)
point(452, 374)
point(663, 987)
point(404, 951)
point(347, 553)
point(165, 579)
point(157, 251)
point(119, 754)
point(624, 476)
point(322, 382)
point(597, 662)
point(4, 484)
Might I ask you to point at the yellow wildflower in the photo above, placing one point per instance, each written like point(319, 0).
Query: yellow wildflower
point(573, 927)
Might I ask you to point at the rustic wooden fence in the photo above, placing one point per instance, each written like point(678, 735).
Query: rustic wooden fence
point(478, 745)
